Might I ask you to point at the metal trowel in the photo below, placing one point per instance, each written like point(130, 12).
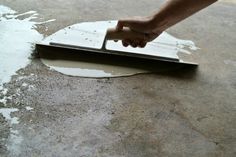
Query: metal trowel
point(60, 50)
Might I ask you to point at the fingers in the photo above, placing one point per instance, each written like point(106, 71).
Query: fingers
point(139, 25)
point(142, 44)
point(134, 43)
point(126, 42)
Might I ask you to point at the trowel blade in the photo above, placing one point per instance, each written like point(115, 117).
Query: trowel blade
point(70, 52)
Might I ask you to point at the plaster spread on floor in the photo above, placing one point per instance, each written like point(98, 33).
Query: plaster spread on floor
point(91, 34)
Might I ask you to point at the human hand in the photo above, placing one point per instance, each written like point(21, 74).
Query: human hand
point(144, 25)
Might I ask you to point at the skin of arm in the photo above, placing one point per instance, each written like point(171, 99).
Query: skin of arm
point(172, 12)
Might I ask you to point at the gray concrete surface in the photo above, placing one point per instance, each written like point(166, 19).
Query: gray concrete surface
point(179, 114)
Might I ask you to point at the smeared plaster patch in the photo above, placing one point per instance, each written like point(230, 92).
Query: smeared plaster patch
point(14, 140)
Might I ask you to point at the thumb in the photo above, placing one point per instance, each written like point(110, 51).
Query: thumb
point(124, 23)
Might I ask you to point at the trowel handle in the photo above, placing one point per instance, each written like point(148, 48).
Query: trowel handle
point(125, 33)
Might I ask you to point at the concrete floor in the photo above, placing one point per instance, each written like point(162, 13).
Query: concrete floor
point(179, 114)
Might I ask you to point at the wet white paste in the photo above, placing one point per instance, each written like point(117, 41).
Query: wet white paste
point(17, 37)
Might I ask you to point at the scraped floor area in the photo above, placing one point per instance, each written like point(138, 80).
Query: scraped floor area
point(180, 113)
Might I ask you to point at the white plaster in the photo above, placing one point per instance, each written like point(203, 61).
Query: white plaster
point(6, 112)
point(6, 10)
point(17, 38)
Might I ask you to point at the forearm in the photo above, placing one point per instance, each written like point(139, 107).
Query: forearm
point(174, 11)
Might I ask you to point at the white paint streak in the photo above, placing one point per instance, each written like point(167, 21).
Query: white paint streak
point(39, 23)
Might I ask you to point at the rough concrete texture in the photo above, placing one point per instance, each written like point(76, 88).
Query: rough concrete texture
point(179, 113)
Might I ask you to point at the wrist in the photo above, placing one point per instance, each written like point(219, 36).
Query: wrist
point(158, 23)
